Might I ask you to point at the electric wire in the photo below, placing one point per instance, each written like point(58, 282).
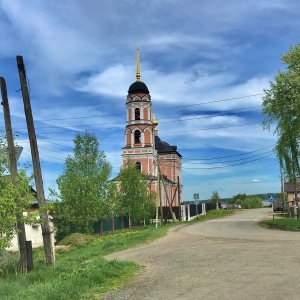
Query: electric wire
point(158, 109)
point(162, 121)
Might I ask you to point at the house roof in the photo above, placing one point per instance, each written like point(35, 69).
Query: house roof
point(289, 187)
point(164, 147)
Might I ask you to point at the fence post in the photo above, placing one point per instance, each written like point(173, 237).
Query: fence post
point(29, 256)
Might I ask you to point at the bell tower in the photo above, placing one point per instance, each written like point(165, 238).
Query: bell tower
point(140, 126)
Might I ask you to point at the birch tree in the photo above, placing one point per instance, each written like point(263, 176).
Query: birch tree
point(83, 185)
point(281, 108)
point(136, 200)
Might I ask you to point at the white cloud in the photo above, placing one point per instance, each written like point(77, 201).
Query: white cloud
point(80, 61)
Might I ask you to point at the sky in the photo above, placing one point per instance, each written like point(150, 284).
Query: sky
point(205, 63)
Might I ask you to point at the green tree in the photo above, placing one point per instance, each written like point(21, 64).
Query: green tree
point(253, 202)
point(281, 107)
point(62, 223)
point(215, 198)
point(83, 186)
point(136, 200)
point(242, 197)
point(15, 198)
point(9, 207)
point(238, 199)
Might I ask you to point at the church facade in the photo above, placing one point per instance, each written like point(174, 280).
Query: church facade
point(151, 155)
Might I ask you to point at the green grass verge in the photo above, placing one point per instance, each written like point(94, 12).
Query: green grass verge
point(82, 272)
point(213, 214)
point(288, 224)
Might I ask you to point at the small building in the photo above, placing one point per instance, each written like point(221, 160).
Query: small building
point(33, 231)
point(289, 188)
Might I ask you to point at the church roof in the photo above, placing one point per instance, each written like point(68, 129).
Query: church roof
point(164, 147)
point(138, 87)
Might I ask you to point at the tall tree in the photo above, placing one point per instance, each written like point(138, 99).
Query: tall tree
point(83, 185)
point(136, 200)
point(215, 198)
point(281, 107)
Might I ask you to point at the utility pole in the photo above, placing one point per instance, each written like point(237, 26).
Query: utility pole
point(160, 199)
point(167, 196)
point(12, 163)
point(282, 189)
point(46, 229)
point(179, 200)
point(158, 195)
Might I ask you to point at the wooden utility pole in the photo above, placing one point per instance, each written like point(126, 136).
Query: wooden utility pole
point(159, 190)
point(167, 196)
point(167, 215)
point(158, 195)
point(282, 190)
point(179, 200)
point(46, 229)
point(12, 163)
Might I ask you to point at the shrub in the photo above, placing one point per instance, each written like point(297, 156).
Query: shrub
point(76, 239)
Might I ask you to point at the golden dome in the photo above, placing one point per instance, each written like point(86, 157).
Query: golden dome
point(154, 122)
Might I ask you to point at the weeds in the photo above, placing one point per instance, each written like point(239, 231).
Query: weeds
point(9, 263)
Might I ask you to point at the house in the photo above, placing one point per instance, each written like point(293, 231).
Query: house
point(289, 188)
point(33, 231)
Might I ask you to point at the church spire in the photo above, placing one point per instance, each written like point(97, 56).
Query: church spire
point(138, 74)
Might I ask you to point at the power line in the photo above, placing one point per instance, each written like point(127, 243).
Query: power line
point(246, 153)
point(222, 167)
point(167, 120)
point(237, 174)
point(179, 131)
point(158, 109)
point(218, 162)
point(214, 158)
point(210, 102)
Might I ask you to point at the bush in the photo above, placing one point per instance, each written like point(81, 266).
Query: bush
point(76, 239)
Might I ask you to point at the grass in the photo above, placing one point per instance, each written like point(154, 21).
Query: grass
point(213, 214)
point(282, 223)
point(81, 272)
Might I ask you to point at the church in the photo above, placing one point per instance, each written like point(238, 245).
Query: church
point(151, 155)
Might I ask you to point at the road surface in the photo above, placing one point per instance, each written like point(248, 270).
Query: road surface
point(228, 258)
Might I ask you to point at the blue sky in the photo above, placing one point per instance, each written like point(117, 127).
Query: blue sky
point(205, 63)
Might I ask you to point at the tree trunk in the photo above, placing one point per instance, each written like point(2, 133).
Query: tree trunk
point(122, 222)
point(112, 223)
point(101, 226)
point(295, 201)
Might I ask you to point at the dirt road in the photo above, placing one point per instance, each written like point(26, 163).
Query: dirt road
point(229, 258)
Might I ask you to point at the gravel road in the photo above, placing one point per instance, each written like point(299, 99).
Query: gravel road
point(228, 258)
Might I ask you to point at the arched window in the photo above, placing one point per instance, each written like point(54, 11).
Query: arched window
point(137, 137)
point(138, 166)
point(137, 114)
